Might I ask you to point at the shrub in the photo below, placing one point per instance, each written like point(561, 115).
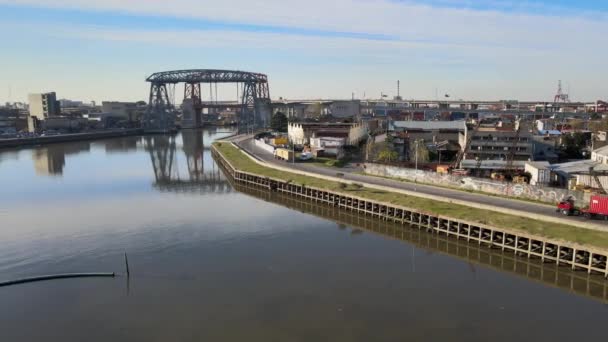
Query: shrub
point(357, 186)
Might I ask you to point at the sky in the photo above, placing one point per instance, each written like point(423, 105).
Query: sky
point(486, 50)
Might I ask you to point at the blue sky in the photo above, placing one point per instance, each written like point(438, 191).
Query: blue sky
point(104, 49)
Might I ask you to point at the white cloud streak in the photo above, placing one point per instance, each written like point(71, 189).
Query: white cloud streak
point(407, 21)
point(515, 47)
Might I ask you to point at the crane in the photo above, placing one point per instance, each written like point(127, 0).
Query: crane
point(463, 151)
point(595, 175)
point(513, 149)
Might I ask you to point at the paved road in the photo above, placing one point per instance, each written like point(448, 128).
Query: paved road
point(548, 210)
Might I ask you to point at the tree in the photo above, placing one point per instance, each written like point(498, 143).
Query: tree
point(423, 155)
point(599, 125)
point(573, 145)
point(279, 122)
point(388, 156)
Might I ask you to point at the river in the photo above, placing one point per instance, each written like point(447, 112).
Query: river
point(211, 262)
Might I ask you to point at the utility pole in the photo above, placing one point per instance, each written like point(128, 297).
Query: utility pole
point(416, 154)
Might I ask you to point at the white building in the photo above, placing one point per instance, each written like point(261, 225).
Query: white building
point(300, 133)
point(540, 172)
point(329, 145)
point(600, 155)
point(43, 106)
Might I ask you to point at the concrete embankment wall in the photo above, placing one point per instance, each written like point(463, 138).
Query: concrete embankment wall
point(488, 186)
point(572, 255)
point(10, 143)
point(581, 283)
point(534, 216)
point(261, 144)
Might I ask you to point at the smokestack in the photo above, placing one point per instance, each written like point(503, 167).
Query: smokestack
point(398, 92)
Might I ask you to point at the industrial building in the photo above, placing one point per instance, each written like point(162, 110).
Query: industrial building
point(498, 145)
point(450, 134)
point(312, 109)
point(124, 110)
point(44, 106)
point(301, 133)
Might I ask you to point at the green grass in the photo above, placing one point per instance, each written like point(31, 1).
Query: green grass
point(328, 162)
point(562, 232)
point(528, 200)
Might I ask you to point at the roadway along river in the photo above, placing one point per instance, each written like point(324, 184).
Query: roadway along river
point(213, 263)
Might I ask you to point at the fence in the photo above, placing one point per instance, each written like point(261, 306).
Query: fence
point(492, 187)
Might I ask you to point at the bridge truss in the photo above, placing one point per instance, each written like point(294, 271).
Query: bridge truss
point(254, 96)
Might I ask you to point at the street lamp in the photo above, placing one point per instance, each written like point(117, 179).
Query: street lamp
point(417, 154)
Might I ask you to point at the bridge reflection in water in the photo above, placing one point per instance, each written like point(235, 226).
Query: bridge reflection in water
point(166, 163)
point(580, 283)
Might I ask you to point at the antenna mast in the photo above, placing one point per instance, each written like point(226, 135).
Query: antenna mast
point(561, 96)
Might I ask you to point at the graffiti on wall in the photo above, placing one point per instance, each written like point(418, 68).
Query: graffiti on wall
point(491, 187)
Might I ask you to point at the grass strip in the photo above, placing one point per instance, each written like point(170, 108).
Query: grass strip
point(564, 232)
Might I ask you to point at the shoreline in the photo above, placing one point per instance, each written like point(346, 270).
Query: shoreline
point(554, 248)
point(62, 138)
point(549, 274)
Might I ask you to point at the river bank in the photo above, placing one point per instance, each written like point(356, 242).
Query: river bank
point(561, 243)
point(62, 138)
point(550, 274)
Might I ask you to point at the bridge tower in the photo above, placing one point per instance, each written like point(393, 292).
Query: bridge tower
point(193, 105)
point(255, 105)
point(160, 114)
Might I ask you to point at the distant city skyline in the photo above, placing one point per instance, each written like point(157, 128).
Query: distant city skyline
point(99, 50)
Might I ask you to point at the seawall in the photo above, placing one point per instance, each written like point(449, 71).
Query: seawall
point(61, 138)
point(578, 257)
point(549, 274)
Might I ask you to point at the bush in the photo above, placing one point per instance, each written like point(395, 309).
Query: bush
point(357, 186)
point(388, 156)
point(342, 185)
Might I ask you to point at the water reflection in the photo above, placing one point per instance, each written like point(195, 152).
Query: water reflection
point(581, 283)
point(122, 145)
point(50, 160)
point(168, 155)
point(166, 164)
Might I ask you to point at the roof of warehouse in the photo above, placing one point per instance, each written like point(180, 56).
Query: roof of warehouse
point(430, 125)
point(602, 150)
point(541, 165)
point(580, 166)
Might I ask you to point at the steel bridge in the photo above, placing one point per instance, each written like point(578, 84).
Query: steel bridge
point(254, 96)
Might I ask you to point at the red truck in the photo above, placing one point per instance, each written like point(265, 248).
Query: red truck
point(598, 207)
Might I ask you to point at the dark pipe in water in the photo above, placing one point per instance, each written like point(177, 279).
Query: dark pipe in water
point(55, 276)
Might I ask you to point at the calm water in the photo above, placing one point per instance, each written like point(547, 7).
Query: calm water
point(213, 263)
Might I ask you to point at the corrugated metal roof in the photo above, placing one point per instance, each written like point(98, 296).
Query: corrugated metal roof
point(430, 125)
point(581, 166)
point(602, 150)
point(541, 165)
